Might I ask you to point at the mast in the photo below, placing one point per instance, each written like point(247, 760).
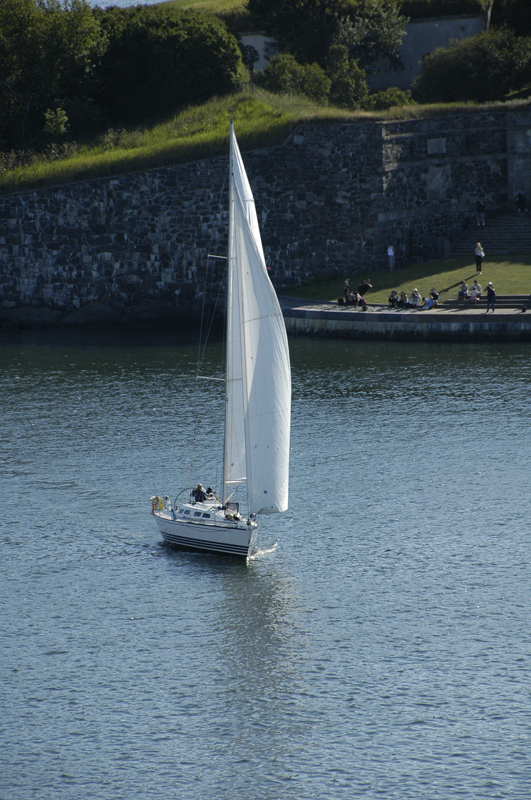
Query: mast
point(234, 468)
point(228, 313)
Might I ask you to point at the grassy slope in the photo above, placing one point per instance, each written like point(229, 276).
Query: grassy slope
point(509, 274)
point(212, 6)
point(195, 133)
point(202, 132)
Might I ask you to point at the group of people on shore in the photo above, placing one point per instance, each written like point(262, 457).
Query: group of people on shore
point(355, 298)
point(475, 293)
point(415, 300)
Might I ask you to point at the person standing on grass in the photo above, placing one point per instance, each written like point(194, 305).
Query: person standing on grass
point(480, 255)
point(364, 286)
point(391, 256)
point(491, 297)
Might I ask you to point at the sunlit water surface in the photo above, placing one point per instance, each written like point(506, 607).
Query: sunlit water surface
point(378, 644)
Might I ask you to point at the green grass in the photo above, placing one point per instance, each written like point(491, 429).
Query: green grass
point(202, 132)
point(509, 274)
point(198, 132)
point(212, 6)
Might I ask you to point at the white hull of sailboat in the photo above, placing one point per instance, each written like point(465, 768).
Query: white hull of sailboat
point(213, 538)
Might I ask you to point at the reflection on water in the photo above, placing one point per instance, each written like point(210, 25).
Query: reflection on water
point(375, 646)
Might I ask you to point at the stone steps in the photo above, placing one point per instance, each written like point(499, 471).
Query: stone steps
point(506, 235)
point(502, 301)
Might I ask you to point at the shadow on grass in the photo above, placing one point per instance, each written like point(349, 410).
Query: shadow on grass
point(457, 284)
point(512, 272)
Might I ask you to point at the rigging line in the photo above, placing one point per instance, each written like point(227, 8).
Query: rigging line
point(202, 347)
point(205, 334)
point(212, 317)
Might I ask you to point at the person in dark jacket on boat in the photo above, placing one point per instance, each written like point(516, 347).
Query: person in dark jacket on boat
point(198, 493)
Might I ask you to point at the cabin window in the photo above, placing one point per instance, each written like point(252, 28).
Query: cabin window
point(197, 513)
point(187, 512)
point(206, 516)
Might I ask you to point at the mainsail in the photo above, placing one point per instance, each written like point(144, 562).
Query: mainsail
point(257, 422)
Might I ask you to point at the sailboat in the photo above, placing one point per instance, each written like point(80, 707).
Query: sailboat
point(257, 399)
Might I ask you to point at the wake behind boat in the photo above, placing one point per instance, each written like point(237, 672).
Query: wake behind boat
point(257, 397)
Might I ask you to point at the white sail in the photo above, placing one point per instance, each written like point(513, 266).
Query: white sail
point(265, 366)
point(258, 397)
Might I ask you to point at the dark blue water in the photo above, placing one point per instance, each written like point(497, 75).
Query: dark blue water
point(377, 646)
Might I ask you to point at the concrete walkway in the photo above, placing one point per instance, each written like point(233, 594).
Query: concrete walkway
point(381, 322)
point(375, 308)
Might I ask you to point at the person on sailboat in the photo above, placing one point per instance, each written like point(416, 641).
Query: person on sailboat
point(210, 493)
point(198, 493)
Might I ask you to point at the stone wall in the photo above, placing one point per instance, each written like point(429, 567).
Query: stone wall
point(329, 200)
point(417, 326)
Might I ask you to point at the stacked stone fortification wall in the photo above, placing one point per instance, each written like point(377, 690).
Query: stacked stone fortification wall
point(329, 200)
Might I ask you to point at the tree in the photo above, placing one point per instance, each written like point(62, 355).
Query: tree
point(515, 14)
point(372, 29)
point(484, 67)
point(303, 27)
point(349, 86)
point(159, 61)
point(47, 55)
point(308, 28)
point(486, 7)
point(250, 56)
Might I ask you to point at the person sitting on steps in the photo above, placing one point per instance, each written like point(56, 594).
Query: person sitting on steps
point(462, 294)
point(415, 300)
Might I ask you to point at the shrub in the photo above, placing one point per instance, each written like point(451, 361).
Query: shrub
point(482, 68)
point(284, 75)
point(379, 101)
